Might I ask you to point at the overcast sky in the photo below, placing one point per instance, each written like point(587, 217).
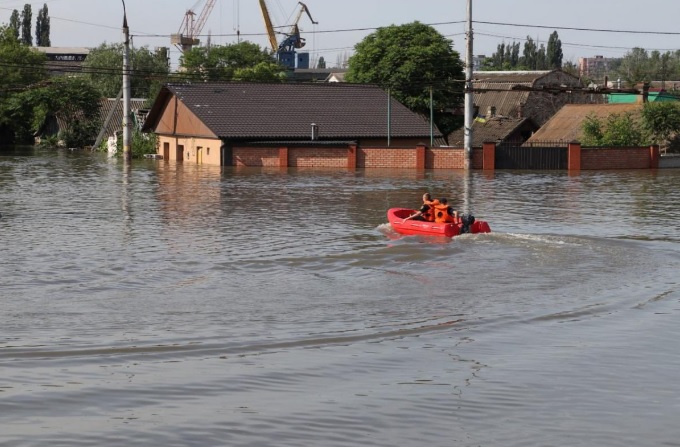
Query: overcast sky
point(622, 24)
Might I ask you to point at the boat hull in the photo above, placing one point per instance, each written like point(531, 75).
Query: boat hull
point(396, 217)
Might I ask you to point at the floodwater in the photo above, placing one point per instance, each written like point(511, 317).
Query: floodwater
point(183, 305)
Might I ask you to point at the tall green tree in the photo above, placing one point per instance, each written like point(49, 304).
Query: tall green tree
point(240, 61)
point(21, 68)
point(15, 23)
point(42, 28)
point(26, 17)
point(104, 69)
point(529, 54)
point(409, 60)
point(635, 67)
point(541, 58)
point(554, 51)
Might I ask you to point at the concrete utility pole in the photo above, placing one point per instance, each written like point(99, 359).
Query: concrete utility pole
point(468, 91)
point(127, 155)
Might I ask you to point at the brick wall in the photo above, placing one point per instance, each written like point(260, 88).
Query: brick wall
point(255, 156)
point(386, 157)
point(366, 157)
point(335, 157)
point(602, 158)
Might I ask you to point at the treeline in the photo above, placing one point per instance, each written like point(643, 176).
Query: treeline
point(636, 66)
point(20, 25)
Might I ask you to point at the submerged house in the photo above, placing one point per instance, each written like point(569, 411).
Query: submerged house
point(254, 124)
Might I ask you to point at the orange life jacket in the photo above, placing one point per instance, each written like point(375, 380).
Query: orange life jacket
point(429, 214)
point(441, 214)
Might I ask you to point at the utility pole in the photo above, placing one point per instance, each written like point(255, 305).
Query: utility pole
point(127, 155)
point(468, 91)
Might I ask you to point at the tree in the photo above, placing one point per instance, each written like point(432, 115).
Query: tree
point(615, 130)
point(408, 60)
point(26, 17)
point(239, 61)
point(635, 67)
point(541, 58)
point(554, 52)
point(321, 63)
point(42, 28)
point(529, 54)
point(71, 100)
point(104, 69)
point(21, 66)
point(15, 23)
point(662, 121)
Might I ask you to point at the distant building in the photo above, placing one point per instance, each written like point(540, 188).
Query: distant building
point(595, 68)
point(64, 60)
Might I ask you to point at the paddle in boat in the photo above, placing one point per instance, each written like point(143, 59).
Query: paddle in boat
point(465, 224)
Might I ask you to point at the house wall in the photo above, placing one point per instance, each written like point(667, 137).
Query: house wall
point(195, 150)
point(177, 119)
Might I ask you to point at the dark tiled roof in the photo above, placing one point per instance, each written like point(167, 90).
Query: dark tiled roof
point(286, 111)
point(493, 130)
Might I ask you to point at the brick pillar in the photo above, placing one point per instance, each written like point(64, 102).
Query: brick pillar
point(352, 156)
point(420, 156)
point(654, 156)
point(283, 157)
point(574, 157)
point(488, 156)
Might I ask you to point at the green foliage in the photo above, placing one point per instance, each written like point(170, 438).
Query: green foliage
point(104, 69)
point(141, 144)
point(409, 60)
point(554, 51)
point(21, 66)
point(615, 130)
point(26, 17)
point(15, 24)
point(70, 100)
point(244, 61)
point(662, 121)
point(42, 28)
point(658, 123)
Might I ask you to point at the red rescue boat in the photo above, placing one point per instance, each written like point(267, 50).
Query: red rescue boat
point(465, 224)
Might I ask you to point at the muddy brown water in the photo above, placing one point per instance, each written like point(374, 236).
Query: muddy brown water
point(171, 304)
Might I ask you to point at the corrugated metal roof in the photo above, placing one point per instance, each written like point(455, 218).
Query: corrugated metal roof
point(567, 124)
point(286, 111)
point(116, 123)
point(509, 77)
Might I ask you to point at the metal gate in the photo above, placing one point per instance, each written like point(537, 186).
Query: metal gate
point(538, 158)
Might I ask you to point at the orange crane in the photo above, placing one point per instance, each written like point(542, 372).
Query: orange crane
point(190, 29)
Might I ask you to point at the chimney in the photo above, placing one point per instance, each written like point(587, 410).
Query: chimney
point(315, 132)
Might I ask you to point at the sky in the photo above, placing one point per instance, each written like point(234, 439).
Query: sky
point(586, 28)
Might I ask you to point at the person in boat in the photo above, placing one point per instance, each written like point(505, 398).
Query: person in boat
point(426, 211)
point(443, 213)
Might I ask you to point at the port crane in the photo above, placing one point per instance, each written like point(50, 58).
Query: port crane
point(191, 28)
point(285, 50)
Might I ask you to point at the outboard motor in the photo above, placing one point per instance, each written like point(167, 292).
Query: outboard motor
point(467, 220)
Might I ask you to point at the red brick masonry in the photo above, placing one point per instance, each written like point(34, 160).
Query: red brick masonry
point(423, 157)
